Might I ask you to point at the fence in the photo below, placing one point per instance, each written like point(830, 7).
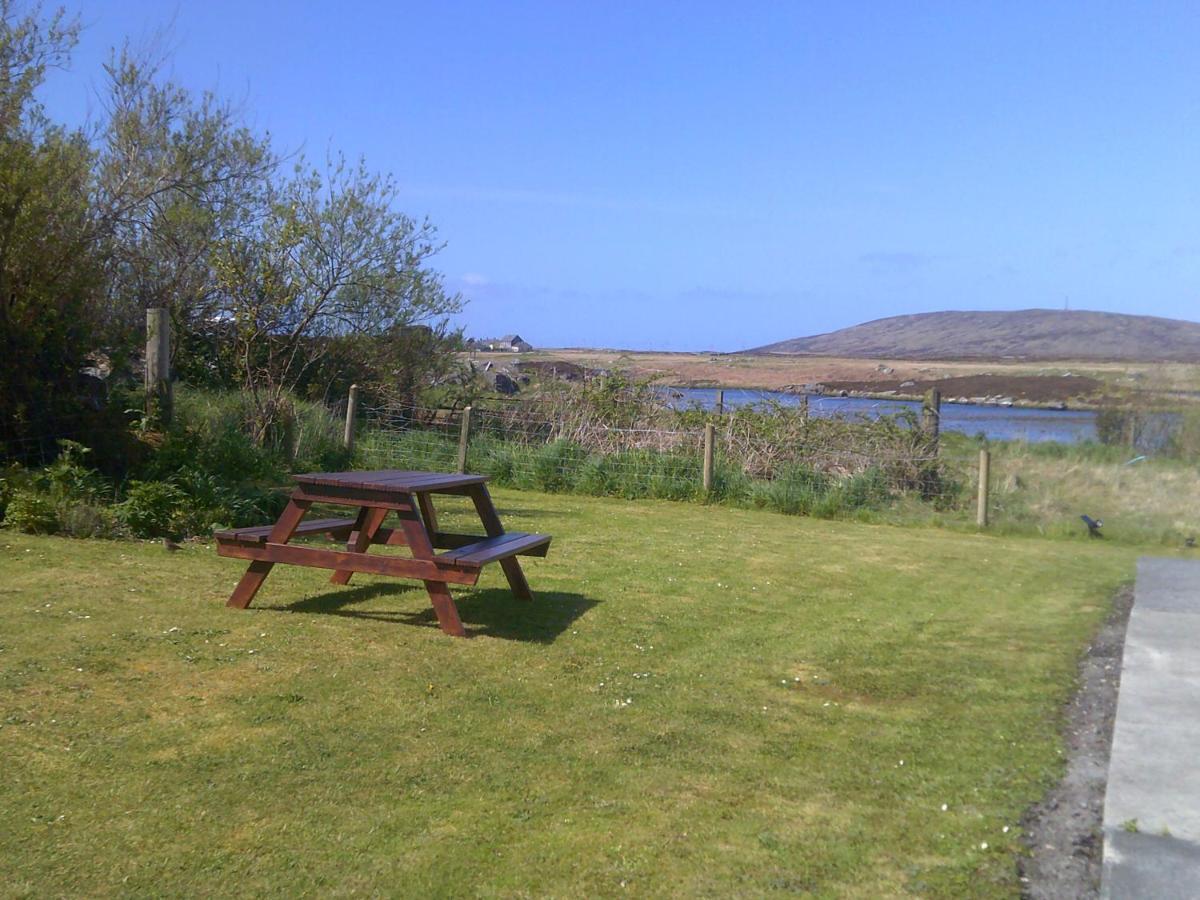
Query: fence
point(798, 466)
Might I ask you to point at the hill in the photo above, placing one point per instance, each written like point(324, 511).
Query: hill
point(1039, 334)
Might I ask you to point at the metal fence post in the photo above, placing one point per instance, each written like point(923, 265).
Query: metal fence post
point(464, 436)
point(709, 431)
point(351, 412)
point(985, 464)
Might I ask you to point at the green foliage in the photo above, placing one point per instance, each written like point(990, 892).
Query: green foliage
point(81, 519)
point(556, 466)
point(31, 511)
point(153, 509)
point(797, 490)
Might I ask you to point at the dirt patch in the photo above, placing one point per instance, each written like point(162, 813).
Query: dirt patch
point(1022, 388)
point(1064, 832)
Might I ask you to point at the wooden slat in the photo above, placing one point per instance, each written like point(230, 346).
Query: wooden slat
point(384, 498)
point(391, 480)
point(260, 532)
point(340, 560)
point(499, 547)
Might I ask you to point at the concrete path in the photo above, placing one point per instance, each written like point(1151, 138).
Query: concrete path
point(1152, 806)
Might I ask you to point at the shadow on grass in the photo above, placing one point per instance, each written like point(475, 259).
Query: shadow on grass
point(492, 613)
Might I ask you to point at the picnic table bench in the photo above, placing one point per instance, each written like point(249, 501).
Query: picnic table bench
point(375, 494)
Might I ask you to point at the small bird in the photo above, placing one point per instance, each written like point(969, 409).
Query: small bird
point(170, 546)
point(1094, 525)
point(1189, 541)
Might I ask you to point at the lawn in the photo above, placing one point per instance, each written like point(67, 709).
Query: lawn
point(701, 701)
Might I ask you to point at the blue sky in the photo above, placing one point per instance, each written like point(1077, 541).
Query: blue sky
point(716, 176)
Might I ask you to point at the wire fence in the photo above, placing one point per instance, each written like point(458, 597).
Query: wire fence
point(798, 466)
point(785, 463)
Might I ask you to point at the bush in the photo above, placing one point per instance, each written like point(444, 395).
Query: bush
point(153, 509)
point(13, 478)
point(31, 511)
point(88, 520)
point(67, 478)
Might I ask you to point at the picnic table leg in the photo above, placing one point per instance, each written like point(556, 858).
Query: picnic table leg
point(258, 570)
point(491, 524)
point(443, 606)
point(427, 513)
point(369, 520)
point(420, 543)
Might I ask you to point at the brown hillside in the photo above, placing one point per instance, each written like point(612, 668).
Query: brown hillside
point(1036, 334)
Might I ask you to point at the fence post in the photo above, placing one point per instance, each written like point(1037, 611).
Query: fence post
point(708, 456)
point(464, 436)
point(985, 465)
point(931, 414)
point(804, 407)
point(351, 412)
point(158, 367)
point(720, 401)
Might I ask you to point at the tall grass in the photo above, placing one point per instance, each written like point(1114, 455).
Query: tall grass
point(565, 467)
point(216, 424)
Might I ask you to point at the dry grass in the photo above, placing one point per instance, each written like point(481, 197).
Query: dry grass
point(778, 372)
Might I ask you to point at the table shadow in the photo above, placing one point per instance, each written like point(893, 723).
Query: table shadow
point(494, 612)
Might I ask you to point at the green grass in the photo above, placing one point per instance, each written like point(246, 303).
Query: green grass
point(702, 701)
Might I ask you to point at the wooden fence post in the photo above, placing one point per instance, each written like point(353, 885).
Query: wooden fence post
point(464, 436)
point(720, 401)
point(804, 407)
point(351, 412)
point(931, 414)
point(985, 465)
point(708, 456)
point(158, 367)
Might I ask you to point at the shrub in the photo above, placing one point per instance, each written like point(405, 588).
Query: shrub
point(31, 511)
point(67, 478)
point(81, 519)
point(153, 508)
point(13, 478)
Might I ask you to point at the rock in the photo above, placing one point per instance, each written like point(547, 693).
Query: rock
point(504, 384)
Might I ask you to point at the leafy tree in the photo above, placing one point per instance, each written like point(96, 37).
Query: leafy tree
point(331, 258)
point(50, 273)
point(177, 175)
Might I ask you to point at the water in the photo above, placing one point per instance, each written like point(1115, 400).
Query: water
point(1000, 423)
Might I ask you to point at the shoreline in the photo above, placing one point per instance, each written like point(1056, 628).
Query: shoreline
point(814, 391)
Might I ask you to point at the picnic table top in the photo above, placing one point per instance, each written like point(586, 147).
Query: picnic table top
point(401, 480)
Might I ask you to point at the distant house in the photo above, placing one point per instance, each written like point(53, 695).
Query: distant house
point(510, 343)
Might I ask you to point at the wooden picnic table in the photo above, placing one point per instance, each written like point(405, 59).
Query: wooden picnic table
point(376, 494)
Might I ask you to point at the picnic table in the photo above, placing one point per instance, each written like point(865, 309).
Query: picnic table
point(409, 495)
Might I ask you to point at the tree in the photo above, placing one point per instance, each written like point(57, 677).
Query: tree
point(331, 258)
point(50, 272)
point(177, 175)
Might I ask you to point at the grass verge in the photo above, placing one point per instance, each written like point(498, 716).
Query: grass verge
point(702, 701)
